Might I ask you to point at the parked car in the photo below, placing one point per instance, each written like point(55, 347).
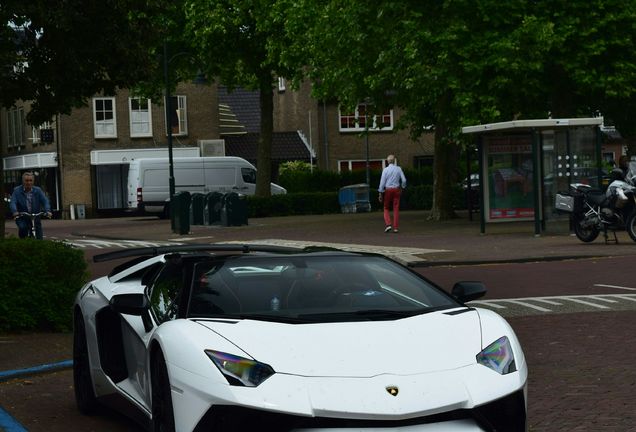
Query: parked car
point(243, 337)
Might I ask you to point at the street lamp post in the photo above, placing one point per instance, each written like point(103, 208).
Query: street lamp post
point(200, 79)
point(171, 185)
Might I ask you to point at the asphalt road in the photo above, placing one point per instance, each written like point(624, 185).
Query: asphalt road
point(580, 349)
point(581, 360)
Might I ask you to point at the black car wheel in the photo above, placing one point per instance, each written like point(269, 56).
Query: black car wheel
point(82, 381)
point(162, 413)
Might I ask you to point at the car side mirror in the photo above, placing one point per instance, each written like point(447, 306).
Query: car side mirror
point(130, 304)
point(466, 291)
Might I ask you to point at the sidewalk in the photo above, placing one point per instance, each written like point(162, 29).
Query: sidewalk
point(451, 242)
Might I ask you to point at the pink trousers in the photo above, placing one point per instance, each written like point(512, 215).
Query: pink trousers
point(392, 199)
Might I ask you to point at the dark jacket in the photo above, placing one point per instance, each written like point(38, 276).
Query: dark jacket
point(19, 201)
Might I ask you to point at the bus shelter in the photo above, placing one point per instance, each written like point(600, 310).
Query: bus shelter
point(524, 163)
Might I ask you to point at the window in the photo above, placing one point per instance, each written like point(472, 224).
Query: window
point(15, 127)
point(165, 292)
point(178, 116)
point(356, 121)
point(359, 165)
point(140, 117)
point(104, 117)
point(37, 131)
point(282, 84)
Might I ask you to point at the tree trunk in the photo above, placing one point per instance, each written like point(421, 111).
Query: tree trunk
point(443, 174)
point(264, 160)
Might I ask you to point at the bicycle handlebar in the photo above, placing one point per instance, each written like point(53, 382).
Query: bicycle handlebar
point(31, 215)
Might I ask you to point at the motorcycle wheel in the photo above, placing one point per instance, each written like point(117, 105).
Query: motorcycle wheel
point(587, 233)
point(630, 226)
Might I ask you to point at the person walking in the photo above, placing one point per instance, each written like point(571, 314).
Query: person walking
point(391, 184)
point(28, 198)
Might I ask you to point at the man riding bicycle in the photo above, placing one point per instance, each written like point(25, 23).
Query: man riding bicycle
point(28, 198)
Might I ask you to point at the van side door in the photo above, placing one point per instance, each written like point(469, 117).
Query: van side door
point(220, 178)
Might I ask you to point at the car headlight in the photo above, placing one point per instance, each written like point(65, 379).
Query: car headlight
point(498, 356)
point(240, 371)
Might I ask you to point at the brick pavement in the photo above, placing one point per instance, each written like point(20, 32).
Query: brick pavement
point(582, 376)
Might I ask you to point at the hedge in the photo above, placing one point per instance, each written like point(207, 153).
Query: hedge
point(38, 283)
point(413, 198)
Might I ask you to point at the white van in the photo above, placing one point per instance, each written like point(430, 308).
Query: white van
point(148, 189)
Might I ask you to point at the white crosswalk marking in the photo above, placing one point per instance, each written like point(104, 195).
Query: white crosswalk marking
point(587, 303)
point(560, 303)
point(528, 305)
point(116, 244)
point(615, 286)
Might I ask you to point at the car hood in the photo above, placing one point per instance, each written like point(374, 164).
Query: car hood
point(425, 343)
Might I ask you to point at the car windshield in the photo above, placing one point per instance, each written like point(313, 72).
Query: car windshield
point(311, 288)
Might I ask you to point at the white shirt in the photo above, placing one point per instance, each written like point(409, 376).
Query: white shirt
point(392, 175)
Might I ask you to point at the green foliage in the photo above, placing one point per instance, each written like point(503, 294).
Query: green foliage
point(38, 282)
point(418, 197)
point(294, 166)
point(329, 181)
point(64, 60)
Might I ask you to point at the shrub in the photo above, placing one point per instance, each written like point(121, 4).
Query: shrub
point(293, 204)
point(38, 283)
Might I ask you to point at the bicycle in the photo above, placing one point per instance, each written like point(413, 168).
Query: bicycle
point(32, 217)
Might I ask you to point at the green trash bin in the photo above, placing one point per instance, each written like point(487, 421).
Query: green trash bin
point(214, 203)
point(197, 209)
point(234, 211)
point(180, 212)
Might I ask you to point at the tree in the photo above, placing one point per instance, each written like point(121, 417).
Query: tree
point(58, 54)
point(454, 63)
point(244, 43)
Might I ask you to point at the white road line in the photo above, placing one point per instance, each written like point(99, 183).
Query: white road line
point(597, 297)
point(615, 286)
point(624, 297)
point(490, 303)
point(577, 300)
point(539, 299)
point(529, 305)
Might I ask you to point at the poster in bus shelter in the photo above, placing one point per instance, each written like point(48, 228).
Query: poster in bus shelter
point(510, 178)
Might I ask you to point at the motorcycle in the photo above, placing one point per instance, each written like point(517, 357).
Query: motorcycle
point(593, 211)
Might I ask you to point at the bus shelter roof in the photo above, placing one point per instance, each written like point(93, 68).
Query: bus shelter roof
point(521, 125)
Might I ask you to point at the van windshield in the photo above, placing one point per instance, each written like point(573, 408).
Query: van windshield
point(249, 175)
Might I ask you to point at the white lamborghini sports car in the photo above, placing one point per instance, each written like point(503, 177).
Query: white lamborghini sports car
point(254, 338)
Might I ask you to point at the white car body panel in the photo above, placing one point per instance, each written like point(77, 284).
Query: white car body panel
point(295, 349)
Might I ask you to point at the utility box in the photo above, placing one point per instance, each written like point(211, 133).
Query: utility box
point(197, 209)
point(354, 198)
point(180, 212)
point(80, 211)
point(234, 210)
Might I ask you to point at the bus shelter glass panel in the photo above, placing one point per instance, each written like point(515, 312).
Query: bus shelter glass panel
point(510, 178)
point(569, 156)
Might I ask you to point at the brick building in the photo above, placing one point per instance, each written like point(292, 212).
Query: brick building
point(338, 138)
point(81, 160)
